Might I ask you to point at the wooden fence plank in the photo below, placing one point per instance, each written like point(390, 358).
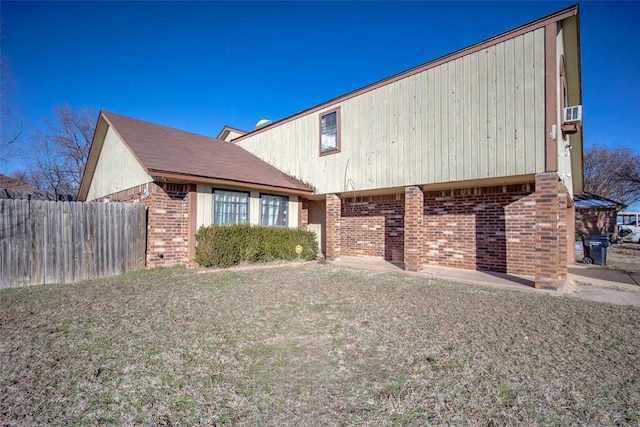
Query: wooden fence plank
point(22, 245)
point(115, 230)
point(36, 222)
point(64, 252)
point(46, 238)
point(109, 271)
point(76, 241)
point(62, 242)
point(8, 252)
point(5, 244)
point(89, 253)
point(14, 241)
point(51, 253)
point(59, 245)
point(100, 239)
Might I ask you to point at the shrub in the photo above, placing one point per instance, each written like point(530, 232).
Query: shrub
point(228, 245)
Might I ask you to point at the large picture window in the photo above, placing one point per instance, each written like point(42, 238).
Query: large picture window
point(330, 132)
point(273, 210)
point(230, 207)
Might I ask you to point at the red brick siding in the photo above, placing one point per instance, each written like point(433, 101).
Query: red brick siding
point(168, 225)
point(333, 226)
point(135, 194)
point(373, 226)
point(413, 228)
point(488, 228)
point(520, 218)
point(571, 234)
point(168, 220)
point(550, 231)
point(303, 213)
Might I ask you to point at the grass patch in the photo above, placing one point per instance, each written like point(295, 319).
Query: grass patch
point(624, 257)
point(313, 344)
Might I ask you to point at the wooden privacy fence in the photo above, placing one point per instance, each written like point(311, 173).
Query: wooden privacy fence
point(44, 242)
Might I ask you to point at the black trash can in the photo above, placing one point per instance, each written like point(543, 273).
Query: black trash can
point(595, 249)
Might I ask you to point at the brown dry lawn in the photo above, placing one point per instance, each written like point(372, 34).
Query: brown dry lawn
point(624, 257)
point(312, 345)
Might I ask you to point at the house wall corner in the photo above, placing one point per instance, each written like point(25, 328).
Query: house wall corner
point(413, 220)
point(550, 231)
point(170, 220)
point(333, 210)
point(303, 213)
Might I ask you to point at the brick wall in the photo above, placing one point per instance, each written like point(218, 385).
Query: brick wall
point(595, 221)
point(517, 229)
point(135, 194)
point(303, 213)
point(571, 234)
point(332, 232)
point(563, 215)
point(413, 228)
point(520, 218)
point(487, 228)
point(373, 226)
point(550, 231)
point(168, 226)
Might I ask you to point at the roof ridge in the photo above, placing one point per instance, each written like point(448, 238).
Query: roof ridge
point(513, 32)
point(160, 125)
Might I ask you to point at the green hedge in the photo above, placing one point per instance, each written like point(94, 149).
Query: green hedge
point(228, 245)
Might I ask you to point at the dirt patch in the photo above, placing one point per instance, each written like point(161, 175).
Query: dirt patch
point(312, 344)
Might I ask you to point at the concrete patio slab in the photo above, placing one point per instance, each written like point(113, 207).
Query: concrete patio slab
point(590, 283)
point(487, 278)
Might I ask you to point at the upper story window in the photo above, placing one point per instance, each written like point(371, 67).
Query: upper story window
point(273, 210)
point(230, 207)
point(330, 132)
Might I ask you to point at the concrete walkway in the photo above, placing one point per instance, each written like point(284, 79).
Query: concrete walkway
point(590, 283)
point(602, 284)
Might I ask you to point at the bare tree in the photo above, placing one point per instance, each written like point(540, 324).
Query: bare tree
point(613, 173)
point(631, 174)
point(60, 152)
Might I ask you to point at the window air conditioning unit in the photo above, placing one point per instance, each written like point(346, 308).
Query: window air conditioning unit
point(573, 114)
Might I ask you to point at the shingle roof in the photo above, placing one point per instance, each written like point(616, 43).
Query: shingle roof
point(588, 200)
point(163, 149)
point(13, 184)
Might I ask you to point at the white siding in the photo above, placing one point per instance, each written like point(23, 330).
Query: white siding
point(204, 206)
point(117, 169)
point(293, 211)
point(564, 154)
point(478, 116)
point(232, 135)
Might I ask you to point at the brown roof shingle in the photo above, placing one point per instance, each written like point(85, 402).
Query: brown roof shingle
point(164, 149)
point(13, 184)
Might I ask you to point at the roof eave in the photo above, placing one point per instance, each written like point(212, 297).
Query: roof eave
point(226, 129)
point(97, 141)
point(183, 177)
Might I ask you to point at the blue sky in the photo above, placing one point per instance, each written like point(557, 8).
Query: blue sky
point(200, 65)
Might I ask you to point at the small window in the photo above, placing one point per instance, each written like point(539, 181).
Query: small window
point(330, 132)
point(230, 207)
point(273, 210)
